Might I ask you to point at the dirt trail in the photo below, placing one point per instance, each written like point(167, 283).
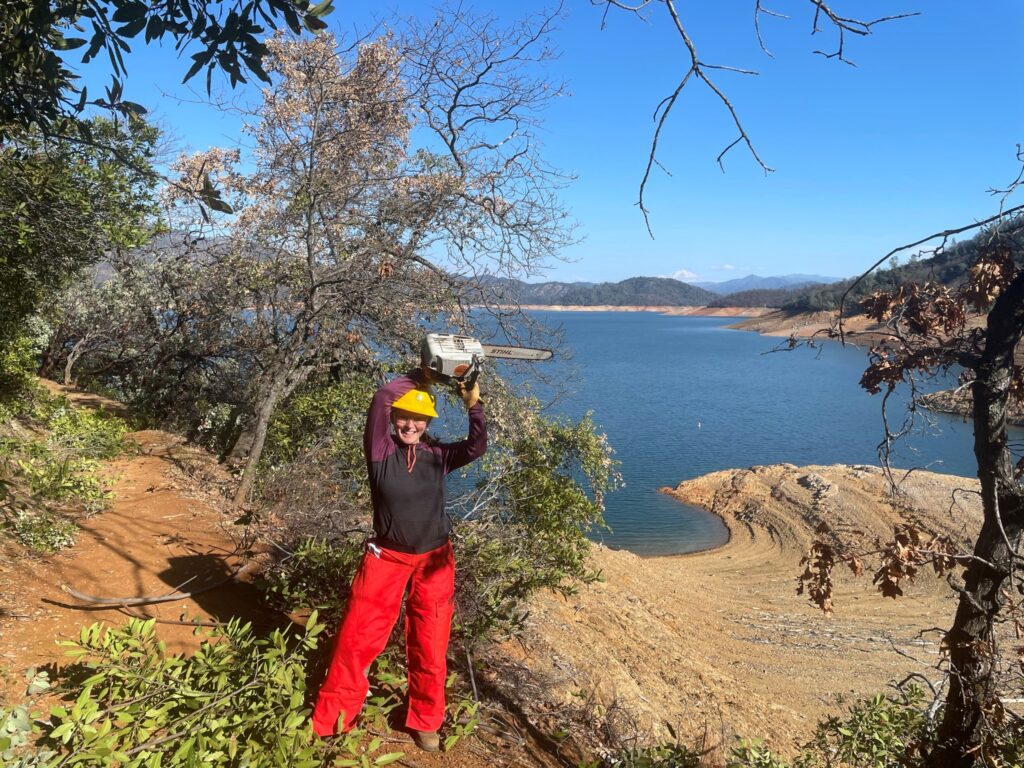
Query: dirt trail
point(164, 528)
point(717, 644)
point(169, 525)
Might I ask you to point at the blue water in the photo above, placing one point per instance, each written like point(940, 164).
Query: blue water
point(683, 396)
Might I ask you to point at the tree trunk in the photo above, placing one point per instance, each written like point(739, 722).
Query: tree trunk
point(73, 356)
point(286, 376)
point(966, 730)
point(264, 412)
point(229, 434)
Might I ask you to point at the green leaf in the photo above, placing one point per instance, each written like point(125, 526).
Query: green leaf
point(70, 43)
point(134, 108)
point(313, 24)
point(132, 28)
point(388, 758)
point(130, 12)
point(322, 8)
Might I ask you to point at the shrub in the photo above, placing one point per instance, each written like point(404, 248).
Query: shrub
point(880, 732)
point(751, 753)
point(673, 755)
point(540, 490)
point(60, 468)
point(19, 727)
point(237, 701)
point(17, 373)
point(327, 415)
point(89, 434)
point(42, 531)
point(52, 478)
point(316, 575)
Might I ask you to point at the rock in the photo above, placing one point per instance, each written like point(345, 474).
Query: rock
point(815, 483)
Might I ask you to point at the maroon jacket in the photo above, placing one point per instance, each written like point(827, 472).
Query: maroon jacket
point(408, 506)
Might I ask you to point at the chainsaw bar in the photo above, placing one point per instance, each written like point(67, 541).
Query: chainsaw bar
point(460, 357)
point(507, 352)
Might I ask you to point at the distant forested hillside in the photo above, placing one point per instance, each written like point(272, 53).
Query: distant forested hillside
point(948, 267)
point(643, 291)
point(764, 297)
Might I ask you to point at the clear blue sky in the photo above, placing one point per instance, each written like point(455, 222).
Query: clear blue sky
point(866, 157)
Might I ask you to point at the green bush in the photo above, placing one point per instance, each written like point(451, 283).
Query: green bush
point(333, 413)
point(89, 434)
point(52, 478)
point(316, 575)
point(240, 700)
point(17, 373)
point(42, 531)
point(237, 701)
point(19, 728)
point(541, 489)
point(80, 432)
point(880, 732)
point(59, 467)
point(672, 755)
point(751, 753)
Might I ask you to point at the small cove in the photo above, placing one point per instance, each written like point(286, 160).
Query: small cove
point(683, 396)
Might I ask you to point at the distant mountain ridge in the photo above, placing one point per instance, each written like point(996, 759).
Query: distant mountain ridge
point(758, 283)
point(948, 267)
point(635, 291)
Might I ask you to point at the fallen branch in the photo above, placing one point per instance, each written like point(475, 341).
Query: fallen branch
point(151, 599)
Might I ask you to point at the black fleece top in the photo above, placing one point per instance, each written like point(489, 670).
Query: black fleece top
point(407, 488)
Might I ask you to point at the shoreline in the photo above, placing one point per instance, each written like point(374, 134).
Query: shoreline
point(670, 310)
point(717, 641)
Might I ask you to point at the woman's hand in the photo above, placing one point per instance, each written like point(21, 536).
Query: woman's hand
point(427, 376)
point(470, 396)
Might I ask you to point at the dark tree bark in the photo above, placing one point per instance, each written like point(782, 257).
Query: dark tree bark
point(73, 356)
point(282, 380)
point(966, 728)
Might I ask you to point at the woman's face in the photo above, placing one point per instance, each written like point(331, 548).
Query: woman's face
point(408, 426)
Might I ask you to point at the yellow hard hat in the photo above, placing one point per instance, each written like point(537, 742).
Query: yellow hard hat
point(420, 401)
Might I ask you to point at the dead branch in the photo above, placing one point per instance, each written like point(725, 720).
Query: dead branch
point(697, 69)
point(172, 596)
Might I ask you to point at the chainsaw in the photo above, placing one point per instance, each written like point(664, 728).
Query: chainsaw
point(460, 358)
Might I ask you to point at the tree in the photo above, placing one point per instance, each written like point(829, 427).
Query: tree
point(930, 330)
point(38, 89)
point(349, 208)
point(62, 206)
point(383, 178)
point(929, 333)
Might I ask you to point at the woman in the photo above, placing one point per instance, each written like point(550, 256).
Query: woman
point(410, 547)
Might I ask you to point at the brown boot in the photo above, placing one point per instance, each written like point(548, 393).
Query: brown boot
point(428, 741)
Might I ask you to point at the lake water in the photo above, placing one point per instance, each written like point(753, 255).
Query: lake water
point(683, 396)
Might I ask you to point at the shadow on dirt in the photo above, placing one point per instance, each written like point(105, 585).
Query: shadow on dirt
point(217, 590)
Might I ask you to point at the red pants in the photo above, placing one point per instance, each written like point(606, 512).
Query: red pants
point(372, 611)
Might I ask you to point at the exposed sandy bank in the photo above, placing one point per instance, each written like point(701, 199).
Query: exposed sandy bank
point(718, 643)
point(805, 325)
point(960, 402)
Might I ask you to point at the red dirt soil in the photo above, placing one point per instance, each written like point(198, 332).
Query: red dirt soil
point(169, 525)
